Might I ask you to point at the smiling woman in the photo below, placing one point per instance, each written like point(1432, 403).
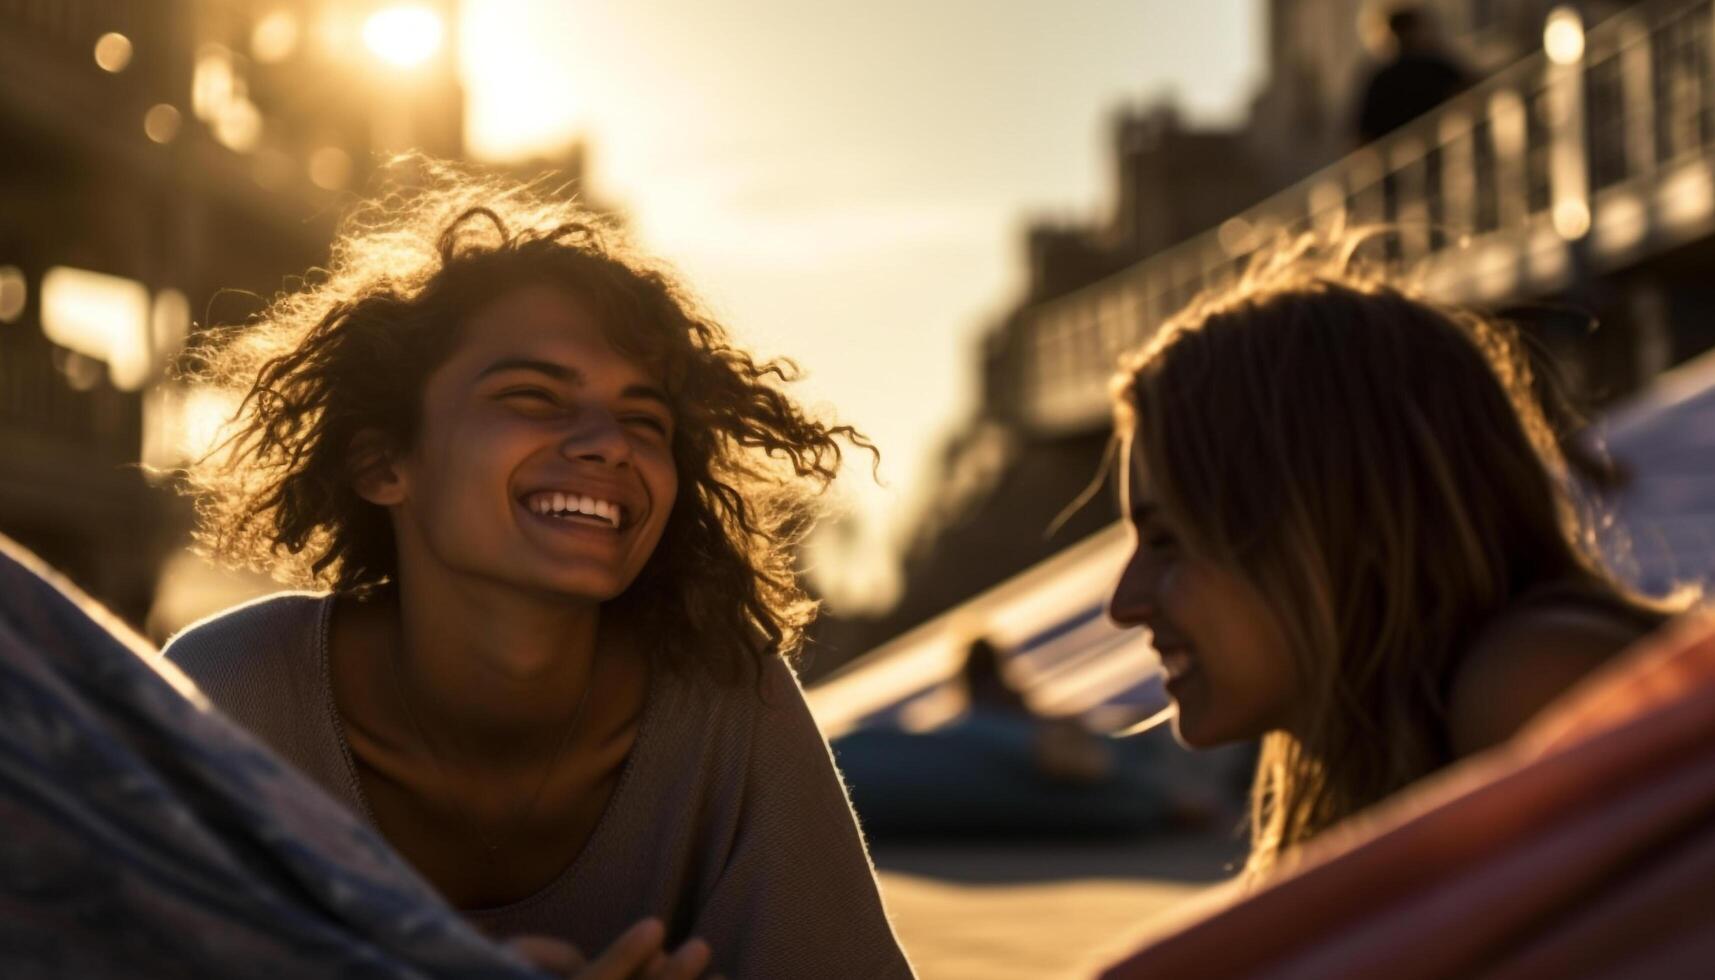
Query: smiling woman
point(1355, 536)
point(553, 507)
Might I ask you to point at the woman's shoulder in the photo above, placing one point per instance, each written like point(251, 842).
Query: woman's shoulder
point(241, 644)
point(756, 712)
point(1527, 656)
point(766, 692)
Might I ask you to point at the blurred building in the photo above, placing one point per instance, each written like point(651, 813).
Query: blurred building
point(167, 162)
point(1577, 172)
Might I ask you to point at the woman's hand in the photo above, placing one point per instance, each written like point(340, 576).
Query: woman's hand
point(636, 955)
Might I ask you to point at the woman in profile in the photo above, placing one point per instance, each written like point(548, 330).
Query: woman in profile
point(1354, 538)
point(546, 509)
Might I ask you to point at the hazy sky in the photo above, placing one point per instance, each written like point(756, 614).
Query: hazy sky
point(845, 183)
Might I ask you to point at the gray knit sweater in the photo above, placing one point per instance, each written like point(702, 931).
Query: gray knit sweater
point(729, 821)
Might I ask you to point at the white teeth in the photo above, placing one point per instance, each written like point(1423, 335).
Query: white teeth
point(1177, 663)
point(556, 502)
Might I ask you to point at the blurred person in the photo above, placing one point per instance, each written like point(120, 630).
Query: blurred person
point(1003, 768)
point(1353, 538)
point(547, 508)
point(1419, 75)
point(1062, 749)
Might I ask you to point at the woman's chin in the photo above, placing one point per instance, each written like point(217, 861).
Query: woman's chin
point(1193, 732)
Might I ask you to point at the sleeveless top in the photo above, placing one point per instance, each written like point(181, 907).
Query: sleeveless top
point(1572, 596)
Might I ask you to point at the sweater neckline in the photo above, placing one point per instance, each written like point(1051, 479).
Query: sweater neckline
point(620, 800)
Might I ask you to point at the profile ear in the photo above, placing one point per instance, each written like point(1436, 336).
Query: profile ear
point(374, 477)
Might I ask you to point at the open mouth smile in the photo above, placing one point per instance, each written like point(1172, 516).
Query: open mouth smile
point(576, 508)
point(1177, 664)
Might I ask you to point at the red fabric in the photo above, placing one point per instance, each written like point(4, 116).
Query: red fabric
point(1586, 845)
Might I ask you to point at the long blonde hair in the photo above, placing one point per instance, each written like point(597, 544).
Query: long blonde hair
point(1377, 467)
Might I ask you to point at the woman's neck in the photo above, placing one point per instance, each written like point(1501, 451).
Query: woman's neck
point(497, 669)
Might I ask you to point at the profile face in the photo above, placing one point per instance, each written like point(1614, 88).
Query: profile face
point(1228, 668)
point(544, 457)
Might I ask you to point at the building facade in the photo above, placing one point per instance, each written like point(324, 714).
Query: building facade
point(1572, 185)
point(167, 163)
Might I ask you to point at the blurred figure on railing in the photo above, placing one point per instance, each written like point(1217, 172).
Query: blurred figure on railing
point(1353, 538)
point(1062, 749)
point(1004, 768)
point(1420, 75)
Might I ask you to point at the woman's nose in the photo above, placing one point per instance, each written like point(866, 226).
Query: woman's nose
point(597, 436)
point(1133, 601)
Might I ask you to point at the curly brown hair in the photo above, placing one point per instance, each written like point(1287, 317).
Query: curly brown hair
point(349, 352)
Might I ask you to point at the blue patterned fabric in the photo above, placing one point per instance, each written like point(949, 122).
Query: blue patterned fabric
point(144, 835)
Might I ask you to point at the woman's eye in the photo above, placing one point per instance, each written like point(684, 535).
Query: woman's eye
point(649, 422)
point(535, 395)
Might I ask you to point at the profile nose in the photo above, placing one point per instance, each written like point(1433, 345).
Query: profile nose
point(1133, 601)
point(597, 437)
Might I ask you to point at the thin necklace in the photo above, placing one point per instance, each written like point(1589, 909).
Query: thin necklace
point(492, 847)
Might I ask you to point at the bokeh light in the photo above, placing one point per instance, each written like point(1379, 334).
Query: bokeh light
point(113, 52)
point(330, 168)
point(403, 36)
point(239, 125)
point(169, 325)
point(14, 291)
point(274, 37)
point(213, 82)
point(1563, 36)
point(102, 317)
point(181, 424)
point(1571, 219)
point(161, 123)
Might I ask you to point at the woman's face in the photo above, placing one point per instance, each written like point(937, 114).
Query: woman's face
point(1228, 668)
point(544, 458)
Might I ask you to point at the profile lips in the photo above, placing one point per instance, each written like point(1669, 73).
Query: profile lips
point(1176, 662)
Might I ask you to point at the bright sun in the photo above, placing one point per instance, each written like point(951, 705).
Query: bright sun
point(404, 35)
point(512, 53)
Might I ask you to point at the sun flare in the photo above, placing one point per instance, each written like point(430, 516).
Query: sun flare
point(404, 35)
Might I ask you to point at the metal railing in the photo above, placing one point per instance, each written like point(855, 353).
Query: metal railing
point(1585, 155)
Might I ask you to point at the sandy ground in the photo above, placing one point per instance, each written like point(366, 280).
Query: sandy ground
point(1000, 911)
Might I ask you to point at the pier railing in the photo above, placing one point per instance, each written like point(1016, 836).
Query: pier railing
point(1585, 156)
